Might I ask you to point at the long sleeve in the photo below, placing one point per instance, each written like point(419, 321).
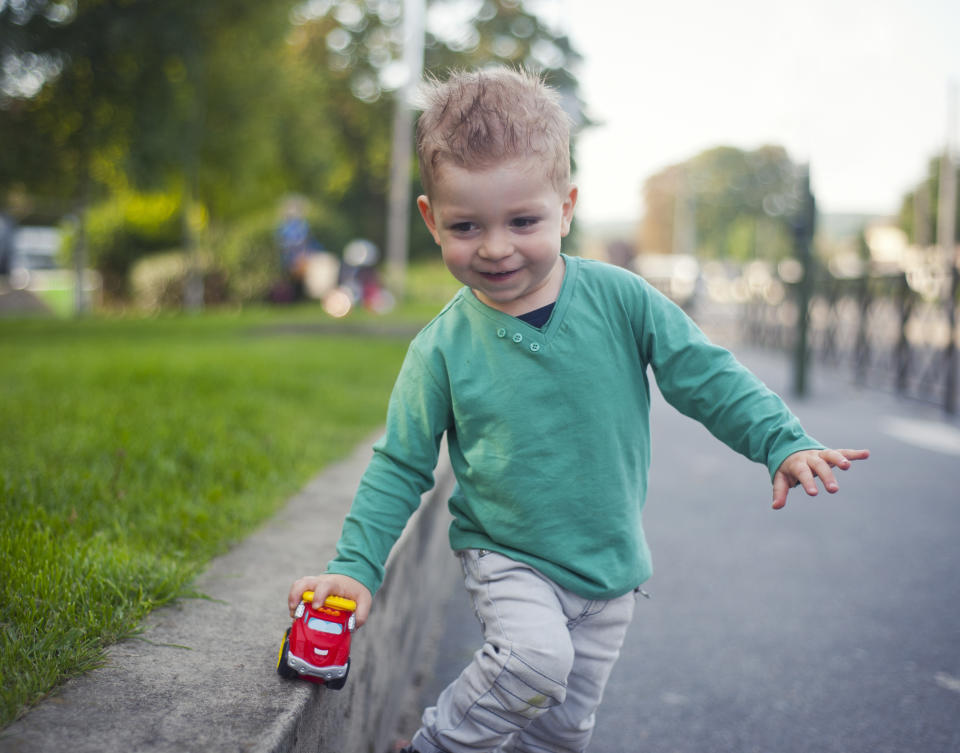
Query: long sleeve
point(706, 383)
point(400, 471)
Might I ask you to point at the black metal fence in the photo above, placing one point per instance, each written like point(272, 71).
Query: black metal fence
point(877, 327)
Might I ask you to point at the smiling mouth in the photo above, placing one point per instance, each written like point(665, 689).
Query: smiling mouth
point(498, 276)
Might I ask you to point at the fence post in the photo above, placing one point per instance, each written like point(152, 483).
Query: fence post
point(802, 225)
point(861, 356)
point(905, 300)
point(947, 239)
point(950, 380)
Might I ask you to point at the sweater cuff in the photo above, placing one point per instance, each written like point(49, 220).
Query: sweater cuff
point(359, 572)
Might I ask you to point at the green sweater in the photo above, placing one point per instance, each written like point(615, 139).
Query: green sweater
point(549, 430)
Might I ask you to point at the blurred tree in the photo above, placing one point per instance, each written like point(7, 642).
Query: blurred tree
point(110, 98)
point(723, 203)
point(59, 84)
point(358, 44)
point(141, 89)
point(919, 208)
point(226, 107)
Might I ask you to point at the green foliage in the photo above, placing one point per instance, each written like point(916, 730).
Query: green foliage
point(158, 282)
point(130, 90)
point(248, 254)
point(231, 106)
point(361, 42)
point(126, 227)
point(736, 204)
point(135, 450)
point(923, 204)
point(356, 45)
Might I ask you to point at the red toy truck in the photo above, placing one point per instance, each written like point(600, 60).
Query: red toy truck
point(317, 646)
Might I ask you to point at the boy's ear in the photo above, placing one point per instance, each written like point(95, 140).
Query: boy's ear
point(569, 202)
point(423, 204)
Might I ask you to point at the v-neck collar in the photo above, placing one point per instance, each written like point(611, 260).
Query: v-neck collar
point(570, 272)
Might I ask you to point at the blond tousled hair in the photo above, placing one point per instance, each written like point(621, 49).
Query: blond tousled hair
point(479, 119)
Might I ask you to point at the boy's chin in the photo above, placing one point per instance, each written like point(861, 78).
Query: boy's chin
point(508, 304)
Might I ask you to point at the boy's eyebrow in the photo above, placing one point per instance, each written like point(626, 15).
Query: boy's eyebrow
point(527, 206)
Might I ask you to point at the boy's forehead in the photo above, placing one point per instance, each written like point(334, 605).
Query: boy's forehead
point(449, 174)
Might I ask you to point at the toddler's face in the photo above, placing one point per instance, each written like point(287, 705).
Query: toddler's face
point(499, 231)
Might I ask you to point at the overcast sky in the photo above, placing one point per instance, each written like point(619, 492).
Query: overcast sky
point(858, 89)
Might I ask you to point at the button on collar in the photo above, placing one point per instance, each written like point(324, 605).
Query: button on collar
point(518, 338)
point(534, 347)
point(501, 332)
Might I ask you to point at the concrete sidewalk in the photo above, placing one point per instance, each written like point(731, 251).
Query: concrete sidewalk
point(202, 675)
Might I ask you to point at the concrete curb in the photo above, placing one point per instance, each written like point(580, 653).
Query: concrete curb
point(202, 676)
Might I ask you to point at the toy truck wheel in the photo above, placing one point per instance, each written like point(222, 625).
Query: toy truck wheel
point(338, 684)
point(283, 668)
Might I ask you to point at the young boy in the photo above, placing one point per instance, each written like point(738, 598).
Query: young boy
point(537, 373)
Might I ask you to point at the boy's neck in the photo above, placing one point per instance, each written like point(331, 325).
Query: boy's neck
point(538, 317)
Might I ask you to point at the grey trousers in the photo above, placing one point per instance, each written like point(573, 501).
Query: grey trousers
point(536, 683)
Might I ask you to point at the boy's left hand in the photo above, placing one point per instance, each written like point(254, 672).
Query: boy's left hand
point(802, 469)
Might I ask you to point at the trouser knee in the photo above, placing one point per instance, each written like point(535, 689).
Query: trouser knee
point(534, 680)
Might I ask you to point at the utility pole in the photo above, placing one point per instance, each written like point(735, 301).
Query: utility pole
point(684, 217)
point(81, 241)
point(921, 215)
point(193, 293)
point(80, 255)
point(398, 210)
point(947, 240)
point(802, 225)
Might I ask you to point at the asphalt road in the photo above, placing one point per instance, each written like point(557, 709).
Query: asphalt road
point(832, 626)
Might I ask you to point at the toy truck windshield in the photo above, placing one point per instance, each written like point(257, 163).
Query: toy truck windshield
point(324, 626)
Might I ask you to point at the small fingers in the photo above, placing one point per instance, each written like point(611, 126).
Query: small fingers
point(855, 454)
point(296, 591)
point(822, 469)
point(363, 609)
point(842, 458)
point(808, 480)
point(805, 467)
point(835, 458)
point(320, 594)
point(780, 488)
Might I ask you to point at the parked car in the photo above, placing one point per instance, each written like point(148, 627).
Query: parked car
point(33, 250)
point(317, 646)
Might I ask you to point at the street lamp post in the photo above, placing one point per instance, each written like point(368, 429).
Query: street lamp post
point(947, 239)
point(398, 210)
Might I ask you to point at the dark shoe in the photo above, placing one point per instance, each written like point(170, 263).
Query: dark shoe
point(408, 749)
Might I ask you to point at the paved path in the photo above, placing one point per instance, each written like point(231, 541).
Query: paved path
point(832, 626)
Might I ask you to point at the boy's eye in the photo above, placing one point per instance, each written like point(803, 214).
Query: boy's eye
point(525, 222)
point(462, 227)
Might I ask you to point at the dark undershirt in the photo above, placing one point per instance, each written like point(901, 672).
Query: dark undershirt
point(538, 317)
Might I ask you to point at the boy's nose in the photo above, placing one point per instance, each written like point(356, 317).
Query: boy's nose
point(496, 246)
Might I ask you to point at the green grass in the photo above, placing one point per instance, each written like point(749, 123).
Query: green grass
point(59, 300)
point(134, 450)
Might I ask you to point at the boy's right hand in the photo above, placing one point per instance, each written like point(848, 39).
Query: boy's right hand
point(327, 585)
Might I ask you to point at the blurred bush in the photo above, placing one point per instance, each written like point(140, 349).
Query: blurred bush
point(125, 228)
point(240, 262)
point(246, 253)
point(157, 282)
